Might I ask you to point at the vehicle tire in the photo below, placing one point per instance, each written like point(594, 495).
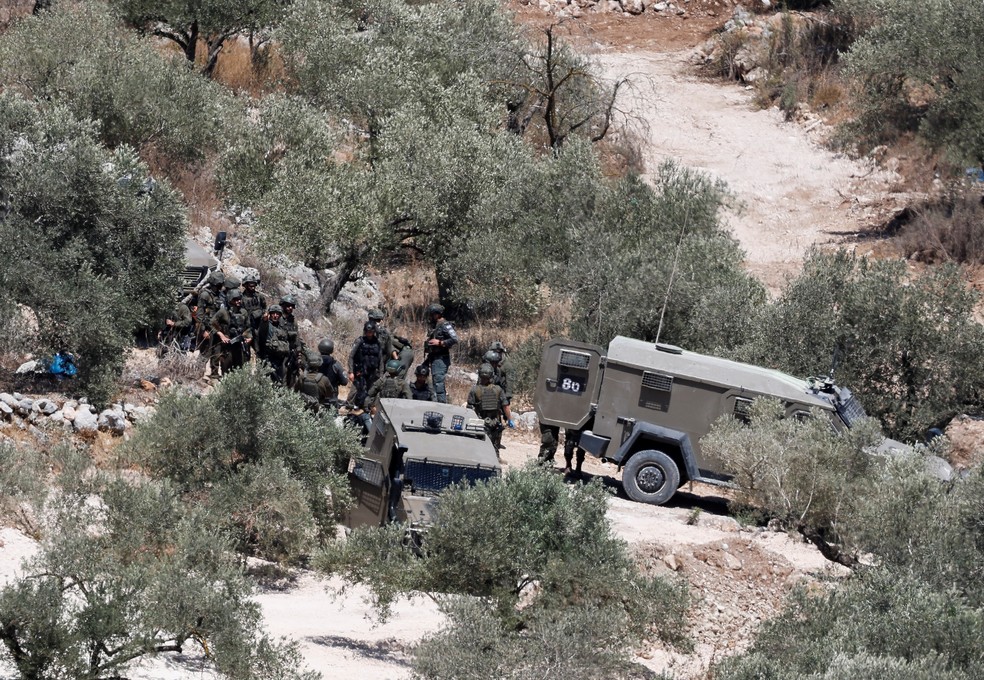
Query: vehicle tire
point(650, 477)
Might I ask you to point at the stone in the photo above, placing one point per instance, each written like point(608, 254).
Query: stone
point(27, 367)
point(45, 406)
point(731, 562)
point(85, 421)
point(633, 6)
point(68, 412)
point(672, 562)
point(660, 6)
point(113, 421)
point(57, 418)
point(138, 413)
point(24, 406)
point(527, 421)
point(8, 399)
point(6, 412)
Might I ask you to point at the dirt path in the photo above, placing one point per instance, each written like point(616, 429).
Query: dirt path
point(792, 193)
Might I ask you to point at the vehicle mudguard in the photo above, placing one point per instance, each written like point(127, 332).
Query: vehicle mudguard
point(657, 435)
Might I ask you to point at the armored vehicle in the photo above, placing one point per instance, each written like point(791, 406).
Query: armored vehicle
point(198, 264)
point(645, 407)
point(415, 450)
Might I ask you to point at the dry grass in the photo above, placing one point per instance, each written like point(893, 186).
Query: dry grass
point(256, 72)
point(949, 232)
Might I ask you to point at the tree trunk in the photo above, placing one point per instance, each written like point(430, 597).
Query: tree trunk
point(345, 270)
point(445, 292)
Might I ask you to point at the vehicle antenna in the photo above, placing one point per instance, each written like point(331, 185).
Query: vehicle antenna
point(676, 259)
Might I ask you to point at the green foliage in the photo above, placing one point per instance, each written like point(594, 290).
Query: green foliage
point(89, 242)
point(907, 345)
point(920, 66)
point(79, 57)
point(643, 241)
point(135, 574)
point(878, 624)
point(801, 472)
point(524, 537)
point(270, 472)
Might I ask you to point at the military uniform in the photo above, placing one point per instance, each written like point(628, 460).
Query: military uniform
point(404, 352)
point(276, 349)
point(315, 387)
point(421, 393)
point(365, 364)
point(489, 402)
point(332, 369)
point(439, 356)
point(234, 323)
point(181, 331)
point(255, 304)
point(388, 387)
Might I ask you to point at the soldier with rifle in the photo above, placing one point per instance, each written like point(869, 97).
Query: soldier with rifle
point(254, 302)
point(276, 343)
point(489, 402)
point(389, 386)
point(289, 323)
point(315, 388)
point(441, 337)
point(365, 363)
point(331, 368)
point(233, 333)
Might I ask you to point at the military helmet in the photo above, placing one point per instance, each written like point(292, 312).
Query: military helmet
point(393, 366)
point(376, 315)
point(313, 358)
point(497, 346)
point(235, 295)
point(369, 326)
point(251, 278)
point(492, 357)
point(232, 282)
point(422, 370)
point(485, 371)
point(288, 300)
point(435, 309)
point(216, 278)
point(326, 346)
point(275, 309)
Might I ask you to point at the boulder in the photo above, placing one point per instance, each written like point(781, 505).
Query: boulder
point(633, 6)
point(6, 412)
point(24, 406)
point(85, 421)
point(113, 421)
point(68, 412)
point(138, 413)
point(27, 367)
point(8, 399)
point(45, 406)
point(527, 421)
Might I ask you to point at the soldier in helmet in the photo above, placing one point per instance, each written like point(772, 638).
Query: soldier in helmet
point(420, 388)
point(233, 333)
point(494, 359)
point(331, 368)
point(288, 303)
point(180, 326)
point(377, 316)
point(441, 337)
point(254, 302)
point(505, 365)
point(276, 343)
point(365, 363)
point(389, 386)
point(402, 352)
point(489, 402)
point(315, 387)
point(231, 284)
point(208, 304)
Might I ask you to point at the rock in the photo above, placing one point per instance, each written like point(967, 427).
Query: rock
point(633, 6)
point(731, 562)
point(8, 399)
point(660, 6)
point(139, 413)
point(527, 421)
point(57, 418)
point(85, 421)
point(6, 412)
point(113, 421)
point(45, 406)
point(24, 406)
point(27, 367)
point(672, 562)
point(68, 412)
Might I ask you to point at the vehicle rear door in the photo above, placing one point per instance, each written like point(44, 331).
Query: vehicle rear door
point(568, 383)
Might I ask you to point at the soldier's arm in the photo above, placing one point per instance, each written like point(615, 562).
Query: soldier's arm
point(220, 320)
point(452, 338)
point(340, 373)
point(182, 318)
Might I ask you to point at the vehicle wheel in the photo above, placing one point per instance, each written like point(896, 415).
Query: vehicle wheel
point(650, 477)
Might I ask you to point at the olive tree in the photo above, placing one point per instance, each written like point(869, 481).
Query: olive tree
point(906, 344)
point(125, 571)
point(80, 57)
point(88, 240)
point(549, 567)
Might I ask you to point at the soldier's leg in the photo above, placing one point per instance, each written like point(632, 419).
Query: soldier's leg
point(548, 442)
point(439, 370)
point(572, 440)
point(495, 435)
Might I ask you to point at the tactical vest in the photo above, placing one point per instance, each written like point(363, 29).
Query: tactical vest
point(276, 340)
point(254, 305)
point(290, 326)
point(370, 354)
point(308, 387)
point(391, 388)
point(488, 401)
point(238, 321)
point(440, 332)
point(424, 393)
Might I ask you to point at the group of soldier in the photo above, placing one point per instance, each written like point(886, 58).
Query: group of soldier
point(229, 320)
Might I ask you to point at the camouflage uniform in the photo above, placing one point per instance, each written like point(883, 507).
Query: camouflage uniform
point(388, 387)
point(404, 354)
point(181, 331)
point(289, 324)
point(499, 376)
point(276, 345)
point(254, 302)
point(489, 402)
point(549, 438)
point(365, 363)
point(232, 321)
point(315, 388)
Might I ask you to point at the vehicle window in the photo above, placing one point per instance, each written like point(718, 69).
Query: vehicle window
point(743, 409)
point(367, 470)
point(432, 478)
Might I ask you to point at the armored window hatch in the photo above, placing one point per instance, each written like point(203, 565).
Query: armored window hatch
point(657, 381)
point(571, 359)
point(743, 408)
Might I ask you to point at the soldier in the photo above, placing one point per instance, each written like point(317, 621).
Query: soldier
point(365, 363)
point(315, 387)
point(489, 402)
point(572, 441)
point(402, 352)
point(231, 284)
point(208, 304)
point(331, 368)
point(389, 386)
point(420, 388)
point(441, 337)
point(276, 343)
point(180, 327)
point(499, 377)
point(233, 333)
point(377, 316)
point(254, 302)
point(288, 303)
point(505, 365)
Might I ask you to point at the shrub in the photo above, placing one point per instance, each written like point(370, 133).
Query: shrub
point(952, 232)
point(552, 551)
point(269, 471)
point(124, 571)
